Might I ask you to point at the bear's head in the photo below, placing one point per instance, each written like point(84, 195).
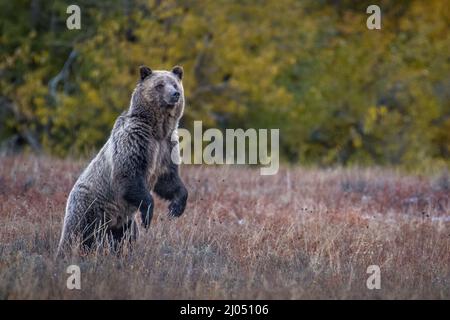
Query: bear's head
point(161, 90)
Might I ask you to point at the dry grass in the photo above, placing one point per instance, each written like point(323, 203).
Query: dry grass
point(298, 234)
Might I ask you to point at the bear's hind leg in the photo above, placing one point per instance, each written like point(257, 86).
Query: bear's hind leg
point(137, 195)
point(127, 232)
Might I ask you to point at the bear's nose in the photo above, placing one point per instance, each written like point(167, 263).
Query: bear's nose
point(176, 96)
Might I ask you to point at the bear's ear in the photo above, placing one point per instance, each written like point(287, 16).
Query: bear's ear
point(145, 72)
point(178, 71)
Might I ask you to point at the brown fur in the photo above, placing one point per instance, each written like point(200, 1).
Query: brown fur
point(135, 160)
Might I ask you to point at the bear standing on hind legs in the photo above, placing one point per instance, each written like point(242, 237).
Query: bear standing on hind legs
point(134, 161)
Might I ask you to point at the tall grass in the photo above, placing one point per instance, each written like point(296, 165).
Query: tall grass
point(301, 234)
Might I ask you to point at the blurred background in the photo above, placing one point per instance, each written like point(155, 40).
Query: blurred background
point(338, 92)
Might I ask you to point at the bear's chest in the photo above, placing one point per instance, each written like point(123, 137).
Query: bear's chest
point(159, 153)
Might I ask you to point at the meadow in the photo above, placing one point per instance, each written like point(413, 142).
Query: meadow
point(300, 234)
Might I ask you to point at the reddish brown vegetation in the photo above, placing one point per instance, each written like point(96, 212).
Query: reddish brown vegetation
point(298, 234)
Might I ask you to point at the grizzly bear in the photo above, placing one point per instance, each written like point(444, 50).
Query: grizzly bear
point(134, 162)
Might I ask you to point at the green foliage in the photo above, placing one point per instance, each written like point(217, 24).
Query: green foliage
point(339, 93)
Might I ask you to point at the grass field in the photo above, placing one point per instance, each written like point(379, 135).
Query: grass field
point(301, 234)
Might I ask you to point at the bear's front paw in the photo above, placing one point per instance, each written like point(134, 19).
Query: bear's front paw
point(176, 208)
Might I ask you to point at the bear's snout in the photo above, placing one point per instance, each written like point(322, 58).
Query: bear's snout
point(175, 97)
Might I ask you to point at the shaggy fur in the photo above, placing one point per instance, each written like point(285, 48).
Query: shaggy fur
point(135, 160)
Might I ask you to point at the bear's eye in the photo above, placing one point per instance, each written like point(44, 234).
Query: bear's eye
point(159, 86)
